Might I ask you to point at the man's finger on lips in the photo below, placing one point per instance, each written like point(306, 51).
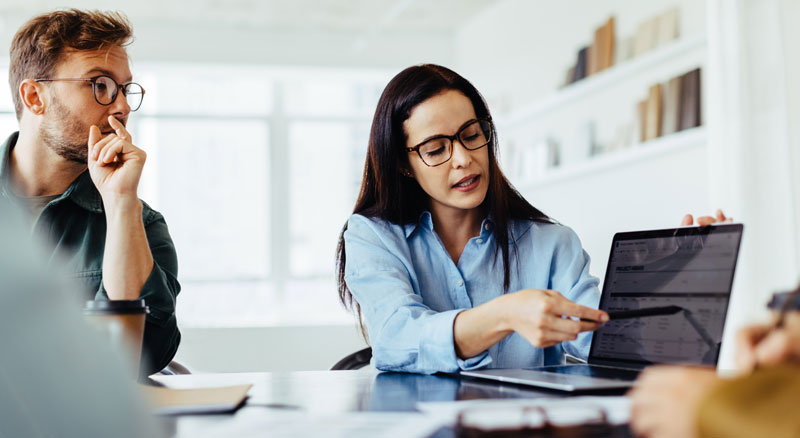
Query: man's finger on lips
point(119, 127)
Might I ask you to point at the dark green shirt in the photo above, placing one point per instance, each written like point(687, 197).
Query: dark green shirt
point(74, 224)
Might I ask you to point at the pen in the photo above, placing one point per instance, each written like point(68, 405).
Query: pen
point(786, 306)
point(647, 311)
point(640, 313)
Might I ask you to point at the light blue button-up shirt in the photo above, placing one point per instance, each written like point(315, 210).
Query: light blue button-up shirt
point(410, 290)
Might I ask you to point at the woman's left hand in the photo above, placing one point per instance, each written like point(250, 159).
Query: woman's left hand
point(702, 221)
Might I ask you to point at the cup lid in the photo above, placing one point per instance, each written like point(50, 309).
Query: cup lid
point(116, 306)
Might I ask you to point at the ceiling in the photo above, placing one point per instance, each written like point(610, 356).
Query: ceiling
point(343, 16)
point(358, 33)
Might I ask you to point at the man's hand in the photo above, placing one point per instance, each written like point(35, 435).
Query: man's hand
point(115, 164)
point(702, 221)
point(665, 400)
point(761, 345)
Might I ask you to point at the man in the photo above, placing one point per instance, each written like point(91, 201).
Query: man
point(670, 401)
point(73, 166)
point(692, 402)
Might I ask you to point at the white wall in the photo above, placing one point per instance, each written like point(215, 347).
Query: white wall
point(301, 348)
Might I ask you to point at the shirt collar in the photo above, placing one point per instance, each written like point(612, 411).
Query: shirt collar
point(82, 191)
point(426, 220)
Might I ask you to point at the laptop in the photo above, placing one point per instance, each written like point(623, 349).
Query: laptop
point(667, 293)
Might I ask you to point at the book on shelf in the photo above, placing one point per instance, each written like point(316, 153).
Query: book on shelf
point(670, 121)
point(646, 35)
point(570, 78)
point(623, 50)
point(652, 124)
point(641, 118)
point(602, 51)
point(667, 27)
point(597, 56)
point(580, 66)
point(606, 45)
point(690, 100)
point(591, 58)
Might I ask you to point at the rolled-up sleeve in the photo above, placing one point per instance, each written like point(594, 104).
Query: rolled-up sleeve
point(571, 277)
point(405, 334)
point(160, 292)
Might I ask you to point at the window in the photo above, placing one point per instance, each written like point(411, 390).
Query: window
point(256, 170)
point(8, 119)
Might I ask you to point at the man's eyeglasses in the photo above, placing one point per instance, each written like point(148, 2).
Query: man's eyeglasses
point(437, 150)
point(106, 88)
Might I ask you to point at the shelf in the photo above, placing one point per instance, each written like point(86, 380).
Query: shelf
point(603, 79)
point(690, 138)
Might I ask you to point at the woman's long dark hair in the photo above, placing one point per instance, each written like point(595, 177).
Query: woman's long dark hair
point(387, 194)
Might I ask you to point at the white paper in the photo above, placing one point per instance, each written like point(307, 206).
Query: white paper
point(301, 424)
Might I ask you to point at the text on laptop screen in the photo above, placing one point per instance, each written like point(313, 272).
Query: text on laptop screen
point(689, 271)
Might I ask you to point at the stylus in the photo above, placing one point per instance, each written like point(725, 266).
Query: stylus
point(648, 311)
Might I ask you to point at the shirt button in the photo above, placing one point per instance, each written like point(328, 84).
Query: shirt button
point(479, 240)
point(460, 283)
point(486, 227)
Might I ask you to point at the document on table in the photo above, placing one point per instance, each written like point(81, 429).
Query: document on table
point(617, 409)
point(301, 424)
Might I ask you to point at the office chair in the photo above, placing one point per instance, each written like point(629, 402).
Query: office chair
point(354, 361)
point(174, 368)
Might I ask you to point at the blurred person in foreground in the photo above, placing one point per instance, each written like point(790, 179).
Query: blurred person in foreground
point(675, 401)
point(74, 169)
point(57, 376)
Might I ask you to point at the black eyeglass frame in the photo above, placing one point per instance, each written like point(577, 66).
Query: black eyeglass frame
point(454, 137)
point(93, 80)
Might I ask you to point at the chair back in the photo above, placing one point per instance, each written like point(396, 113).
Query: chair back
point(354, 361)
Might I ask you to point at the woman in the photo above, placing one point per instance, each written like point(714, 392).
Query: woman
point(446, 263)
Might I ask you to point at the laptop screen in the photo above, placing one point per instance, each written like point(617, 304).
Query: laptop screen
point(687, 273)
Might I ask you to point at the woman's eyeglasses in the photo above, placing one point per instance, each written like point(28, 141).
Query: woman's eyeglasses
point(437, 150)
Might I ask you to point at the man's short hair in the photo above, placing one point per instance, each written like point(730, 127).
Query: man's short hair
point(40, 43)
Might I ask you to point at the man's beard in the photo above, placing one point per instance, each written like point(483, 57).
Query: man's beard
point(64, 134)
